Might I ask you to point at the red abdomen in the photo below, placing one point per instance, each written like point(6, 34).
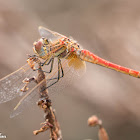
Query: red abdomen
point(90, 57)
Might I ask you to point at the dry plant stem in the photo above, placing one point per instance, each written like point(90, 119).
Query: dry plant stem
point(44, 103)
point(94, 121)
point(102, 133)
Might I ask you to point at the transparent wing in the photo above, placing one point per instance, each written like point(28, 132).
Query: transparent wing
point(10, 86)
point(73, 69)
point(51, 35)
point(28, 101)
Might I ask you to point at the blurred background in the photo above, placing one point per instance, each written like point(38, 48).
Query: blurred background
point(111, 30)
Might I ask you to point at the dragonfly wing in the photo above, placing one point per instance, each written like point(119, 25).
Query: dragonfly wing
point(27, 102)
point(51, 35)
point(10, 86)
point(30, 99)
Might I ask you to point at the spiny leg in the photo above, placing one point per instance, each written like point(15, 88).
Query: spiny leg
point(58, 77)
point(50, 61)
point(45, 62)
point(61, 68)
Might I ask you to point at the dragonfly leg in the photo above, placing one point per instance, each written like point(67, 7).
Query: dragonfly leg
point(58, 77)
point(60, 68)
point(62, 72)
point(50, 61)
point(45, 63)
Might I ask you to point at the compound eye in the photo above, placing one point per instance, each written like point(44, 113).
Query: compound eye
point(38, 45)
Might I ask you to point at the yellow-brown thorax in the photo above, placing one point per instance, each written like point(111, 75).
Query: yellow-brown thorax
point(60, 48)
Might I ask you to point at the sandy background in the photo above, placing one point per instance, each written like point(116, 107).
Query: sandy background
point(110, 29)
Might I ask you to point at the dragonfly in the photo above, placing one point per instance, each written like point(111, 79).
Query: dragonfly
point(58, 55)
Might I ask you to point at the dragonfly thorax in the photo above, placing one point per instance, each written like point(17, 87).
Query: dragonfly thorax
point(61, 48)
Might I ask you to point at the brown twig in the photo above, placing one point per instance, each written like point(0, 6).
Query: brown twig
point(44, 103)
point(94, 121)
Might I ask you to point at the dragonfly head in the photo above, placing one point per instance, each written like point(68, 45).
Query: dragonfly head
point(40, 46)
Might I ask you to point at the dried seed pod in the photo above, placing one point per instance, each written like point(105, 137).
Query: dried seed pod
point(93, 121)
